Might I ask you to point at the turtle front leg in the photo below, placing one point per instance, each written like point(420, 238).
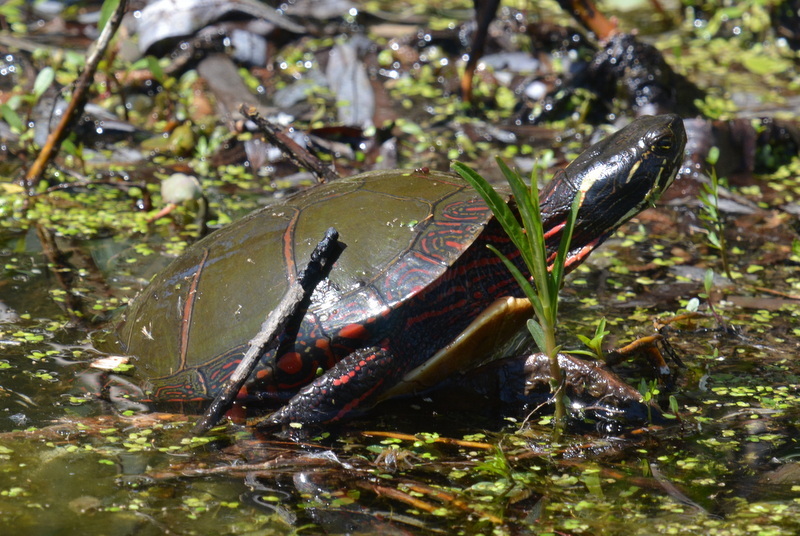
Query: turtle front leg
point(352, 384)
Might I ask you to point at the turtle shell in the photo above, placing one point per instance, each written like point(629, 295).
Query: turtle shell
point(403, 231)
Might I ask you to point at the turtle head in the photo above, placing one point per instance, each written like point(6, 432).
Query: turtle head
point(616, 178)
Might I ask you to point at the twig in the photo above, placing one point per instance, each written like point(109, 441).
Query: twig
point(300, 156)
point(76, 104)
point(778, 293)
point(323, 256)
point(586, 12)
point(673, 491)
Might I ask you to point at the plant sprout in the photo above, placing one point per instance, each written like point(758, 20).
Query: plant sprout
point(543, 287)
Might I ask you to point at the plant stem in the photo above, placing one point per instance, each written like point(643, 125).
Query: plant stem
point(556, 382)
point(724, 254)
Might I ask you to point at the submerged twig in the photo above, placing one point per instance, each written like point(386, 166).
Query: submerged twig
point(65, 267)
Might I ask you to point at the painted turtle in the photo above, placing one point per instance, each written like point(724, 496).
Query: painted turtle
point(414, 277)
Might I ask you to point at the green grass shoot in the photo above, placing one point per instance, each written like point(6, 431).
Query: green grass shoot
point(545, 283)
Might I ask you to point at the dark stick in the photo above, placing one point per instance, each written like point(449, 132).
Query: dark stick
point(300, 156)
point(322, 258)
point(485, 13)
point(79, 97)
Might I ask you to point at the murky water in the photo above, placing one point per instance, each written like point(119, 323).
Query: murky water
point(72, 463)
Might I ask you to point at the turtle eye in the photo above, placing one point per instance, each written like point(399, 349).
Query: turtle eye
point(663, 145)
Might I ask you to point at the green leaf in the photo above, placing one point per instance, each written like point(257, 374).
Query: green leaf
point(522, 281)
point(708, 280)
point(69, 147)
point(762, 64)
point(528, 203)
point(600, 331)
point(644, 390)
point(713, 155)
point(155, 68)
point(43, 81)
point(587, 353)
point(673, 405)
point(566, 237)
point(108, 8)
point(496, 203)
point(413, 129)
point(10, 116)
point(538, 335)
point(592, 482)
point(595, 343)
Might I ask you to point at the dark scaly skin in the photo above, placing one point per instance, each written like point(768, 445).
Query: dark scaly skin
point(416, 271)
